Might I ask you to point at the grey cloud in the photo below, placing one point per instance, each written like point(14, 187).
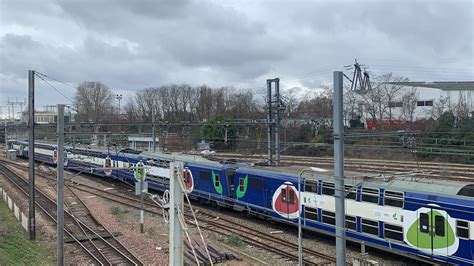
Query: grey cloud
point(129, 45)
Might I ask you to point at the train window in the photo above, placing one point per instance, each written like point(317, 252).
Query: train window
point(204, 175)
point(283, 195)
point(370, 227)
point(291, 197)
point(394, 232)
point(310, 187)
point(462, 229)
point(328, 189)
point(310, 213)
point(351, 222)
point(439, 225)
point(217, 181)
point(370, 195)
point(393, 198)
point(424, 223)
point(241, 184)
point(350, 192)
point(255, 183)
point(328, 217)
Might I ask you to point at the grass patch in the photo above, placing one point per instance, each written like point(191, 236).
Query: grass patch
point(15, 248)
point(117, 211)
point(234, 240)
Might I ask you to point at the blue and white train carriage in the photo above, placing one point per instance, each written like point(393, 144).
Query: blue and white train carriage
point(426, 218)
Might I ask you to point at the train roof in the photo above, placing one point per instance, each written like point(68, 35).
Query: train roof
point(406, 182)
point(184, 157)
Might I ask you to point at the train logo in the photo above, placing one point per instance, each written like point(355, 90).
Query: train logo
point(216, 182)
point(431, 231)
point(108, 166)
point(242, 189)
point(188, 180)
point(54, 157)
point(285, 201)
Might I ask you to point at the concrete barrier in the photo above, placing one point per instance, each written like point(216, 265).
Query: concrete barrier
point(16, 211)
point(10, 203)
point(22, 218)
point(24, 222)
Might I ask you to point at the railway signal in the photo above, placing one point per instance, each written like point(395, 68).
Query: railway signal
point(140, 176)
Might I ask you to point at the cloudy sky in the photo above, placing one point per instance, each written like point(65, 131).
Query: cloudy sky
point(130, 45)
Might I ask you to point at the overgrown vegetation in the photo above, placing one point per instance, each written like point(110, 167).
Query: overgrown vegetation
point(118, 211)
point(234, 240)
point(15, 248)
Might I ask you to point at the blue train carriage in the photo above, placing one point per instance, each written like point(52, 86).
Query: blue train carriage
point(438, 219)
point(44, 152)
point(423, 218)
point(266, 193)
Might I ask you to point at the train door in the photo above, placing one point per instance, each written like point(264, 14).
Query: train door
point(435, 234)
point(231, 182)
point(230, 179)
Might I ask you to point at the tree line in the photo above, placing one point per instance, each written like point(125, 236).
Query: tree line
point(96, 102)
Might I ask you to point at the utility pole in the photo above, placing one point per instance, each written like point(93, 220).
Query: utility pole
point(226, 128)
point(273, 120)
point(277, 121)
point(175, 211)
point(5, 130)
point(31, 153)
point(6, 138)
point(60, 186)
point(269, 122)
point(119, 98)
point(153, 131)
point(338, 126)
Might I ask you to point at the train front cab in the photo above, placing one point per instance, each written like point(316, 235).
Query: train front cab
point(440, 227)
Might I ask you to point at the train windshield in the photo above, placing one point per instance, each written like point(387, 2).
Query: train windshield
point(467, 191)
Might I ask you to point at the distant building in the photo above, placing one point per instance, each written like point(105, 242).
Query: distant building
point(406, 109)
point(142, 143)
point(48, 117)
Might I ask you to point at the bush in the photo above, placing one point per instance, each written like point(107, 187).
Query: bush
point(234, 240)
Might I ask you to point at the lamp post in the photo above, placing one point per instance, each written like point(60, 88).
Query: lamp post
point(119, 98)
point(300, 236)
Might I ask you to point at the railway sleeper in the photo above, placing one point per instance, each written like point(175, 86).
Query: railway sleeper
point(82, 238)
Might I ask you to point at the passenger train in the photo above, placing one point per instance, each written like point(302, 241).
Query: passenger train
point(426, 218)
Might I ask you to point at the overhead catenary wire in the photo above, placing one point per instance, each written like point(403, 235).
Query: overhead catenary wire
point(58, 91)
point(57, 80)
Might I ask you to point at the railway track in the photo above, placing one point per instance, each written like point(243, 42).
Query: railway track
point(449, 171)
point(208, 221)
point(79, 223)
point(261, 240)
point(222, 226)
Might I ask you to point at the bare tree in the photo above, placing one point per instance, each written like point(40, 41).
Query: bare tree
point(378, 102)
point(409, 100)
point(441, 105)
point(94, 102)
point(392, 91)
point(291, 100)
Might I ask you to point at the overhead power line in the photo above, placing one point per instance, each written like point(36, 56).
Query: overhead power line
point(58, 91)
point(57, 80)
